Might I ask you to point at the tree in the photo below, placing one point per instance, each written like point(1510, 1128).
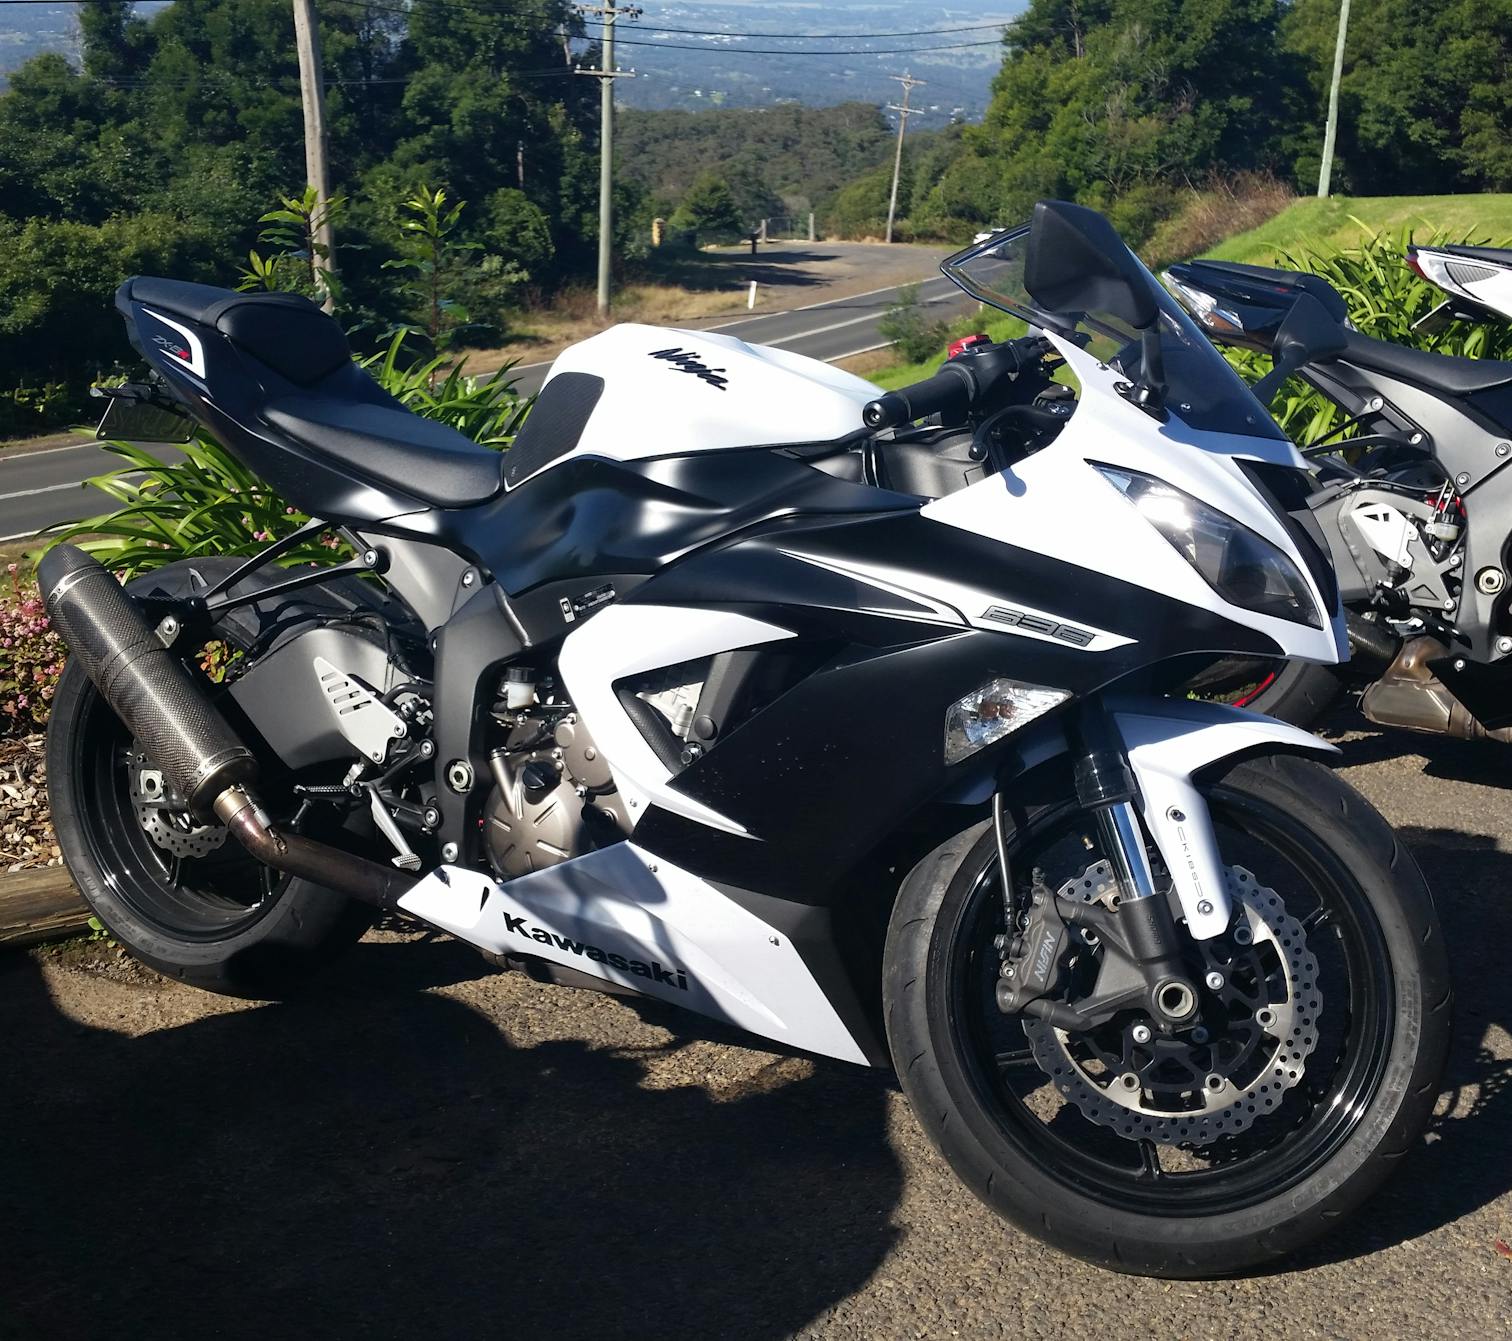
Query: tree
point(709, 209)
point(1423, 105)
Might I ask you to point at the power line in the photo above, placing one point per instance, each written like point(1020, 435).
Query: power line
point(481, 10)
point(478, 15)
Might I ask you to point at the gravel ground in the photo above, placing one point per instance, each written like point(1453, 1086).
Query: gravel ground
point(425, 1148)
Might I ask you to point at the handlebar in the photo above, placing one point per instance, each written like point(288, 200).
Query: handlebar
point(964, 382)
point(949, 391)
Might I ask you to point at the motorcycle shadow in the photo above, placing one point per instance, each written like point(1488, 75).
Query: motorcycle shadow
point(1463, 1165)
point(378, 1159)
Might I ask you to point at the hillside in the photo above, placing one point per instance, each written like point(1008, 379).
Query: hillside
point(1326, 225)
point(801, 154)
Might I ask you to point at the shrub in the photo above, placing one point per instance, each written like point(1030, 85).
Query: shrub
point(916, 334)
point(1221, 208)
point(31, 655)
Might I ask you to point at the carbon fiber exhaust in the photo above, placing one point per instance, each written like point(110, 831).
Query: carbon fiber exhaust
point(181, 731)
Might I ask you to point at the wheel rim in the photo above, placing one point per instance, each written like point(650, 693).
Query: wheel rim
point(207, 899)
point(1280, 1149)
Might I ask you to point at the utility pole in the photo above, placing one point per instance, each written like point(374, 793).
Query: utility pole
point(1325, 169)
point(317, 171)
point(909, 84)
point(606, 74)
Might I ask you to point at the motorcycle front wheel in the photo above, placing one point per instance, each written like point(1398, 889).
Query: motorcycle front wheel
point(1318, 1064)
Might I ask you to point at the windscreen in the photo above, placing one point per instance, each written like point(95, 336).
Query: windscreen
point(1202, 390)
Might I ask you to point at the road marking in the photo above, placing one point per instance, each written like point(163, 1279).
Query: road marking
point(44, 489)
point(49, 451)
point(850, 321)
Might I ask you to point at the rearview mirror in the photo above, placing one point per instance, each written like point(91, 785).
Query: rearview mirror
point(1076, 262)
point(1307, 333)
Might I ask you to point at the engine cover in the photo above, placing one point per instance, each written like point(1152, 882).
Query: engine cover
point(549, 803)
point(524, 834)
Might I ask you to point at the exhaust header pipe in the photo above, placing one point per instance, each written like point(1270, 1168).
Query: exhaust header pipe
point(181, 731)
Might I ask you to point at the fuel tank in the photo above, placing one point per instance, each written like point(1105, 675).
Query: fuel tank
point(669, 392)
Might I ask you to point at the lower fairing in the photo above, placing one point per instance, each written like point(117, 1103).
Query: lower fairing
point(626, 917)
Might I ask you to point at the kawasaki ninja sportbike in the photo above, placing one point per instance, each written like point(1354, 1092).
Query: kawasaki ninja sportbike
point(728, 685)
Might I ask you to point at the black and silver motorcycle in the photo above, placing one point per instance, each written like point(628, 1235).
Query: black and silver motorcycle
point(1412, 493)
point(727, 685)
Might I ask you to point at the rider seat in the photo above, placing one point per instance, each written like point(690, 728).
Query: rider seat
point(323, 402)
point(1436, 372)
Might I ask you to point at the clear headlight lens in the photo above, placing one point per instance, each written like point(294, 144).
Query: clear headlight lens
point(997, 709)
point(1242, 567)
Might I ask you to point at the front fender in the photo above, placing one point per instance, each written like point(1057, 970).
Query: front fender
point(1170, 740)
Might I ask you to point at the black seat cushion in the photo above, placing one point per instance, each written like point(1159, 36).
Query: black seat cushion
point(388, 444)
point(285, 331)
point(1435, 372)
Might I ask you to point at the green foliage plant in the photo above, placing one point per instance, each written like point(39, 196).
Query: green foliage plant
point(908, 325)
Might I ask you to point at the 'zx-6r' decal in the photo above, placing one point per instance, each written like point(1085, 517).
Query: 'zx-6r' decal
point(684, 360)
point(672, 977)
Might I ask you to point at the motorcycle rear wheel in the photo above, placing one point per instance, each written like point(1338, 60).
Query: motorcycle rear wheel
point(1180, 1209)
point(1298, 692)
point(217, 919)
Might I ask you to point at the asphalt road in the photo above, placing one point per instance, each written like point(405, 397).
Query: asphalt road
point(423, 1148)
point(41, 488)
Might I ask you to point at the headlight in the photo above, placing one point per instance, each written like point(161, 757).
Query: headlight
point(995, 710)
point(1242, 567)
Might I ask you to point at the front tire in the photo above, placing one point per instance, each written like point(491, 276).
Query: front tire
point(1241, 1200)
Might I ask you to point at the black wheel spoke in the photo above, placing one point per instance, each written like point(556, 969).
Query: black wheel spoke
point(1149, 1157)
point(1317, 918)
point(1016, 1059)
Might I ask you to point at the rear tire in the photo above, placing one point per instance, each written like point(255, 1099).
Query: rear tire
point(226, 924)
point(1063, 1186)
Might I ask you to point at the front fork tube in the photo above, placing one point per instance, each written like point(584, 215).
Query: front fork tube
point(1105, 786)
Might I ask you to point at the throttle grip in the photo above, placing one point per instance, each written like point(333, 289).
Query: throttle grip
point(948, 392)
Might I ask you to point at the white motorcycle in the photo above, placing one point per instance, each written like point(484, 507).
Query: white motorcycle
point(727, 685)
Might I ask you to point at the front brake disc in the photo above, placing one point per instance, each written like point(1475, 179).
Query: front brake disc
point(1188, 1089)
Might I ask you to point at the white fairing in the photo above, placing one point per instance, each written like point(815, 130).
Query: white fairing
point(669, 392)
point(627, 917)
point(1170, 740)
point(1056, 503)
point(625, 640)
point(1485, 282)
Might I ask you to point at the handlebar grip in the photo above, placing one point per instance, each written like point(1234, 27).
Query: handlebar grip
point(949, 391)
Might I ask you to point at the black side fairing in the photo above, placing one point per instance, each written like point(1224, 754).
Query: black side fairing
point(590, 516)
point(819, 776)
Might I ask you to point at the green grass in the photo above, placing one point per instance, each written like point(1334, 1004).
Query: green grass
point(1327, 225)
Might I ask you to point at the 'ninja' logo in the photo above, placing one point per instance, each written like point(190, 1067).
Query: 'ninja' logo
point(685, 361)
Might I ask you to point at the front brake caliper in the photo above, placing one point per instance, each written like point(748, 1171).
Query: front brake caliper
point(1034, 962)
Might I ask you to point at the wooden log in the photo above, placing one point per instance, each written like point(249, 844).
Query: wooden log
point(40, 905)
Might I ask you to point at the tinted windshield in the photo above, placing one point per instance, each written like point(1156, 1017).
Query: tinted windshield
point(1201, 387)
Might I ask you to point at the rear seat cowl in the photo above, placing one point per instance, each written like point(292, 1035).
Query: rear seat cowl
point(287, 332)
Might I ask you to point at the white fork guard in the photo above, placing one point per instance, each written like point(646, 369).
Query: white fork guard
point(1168, 740)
